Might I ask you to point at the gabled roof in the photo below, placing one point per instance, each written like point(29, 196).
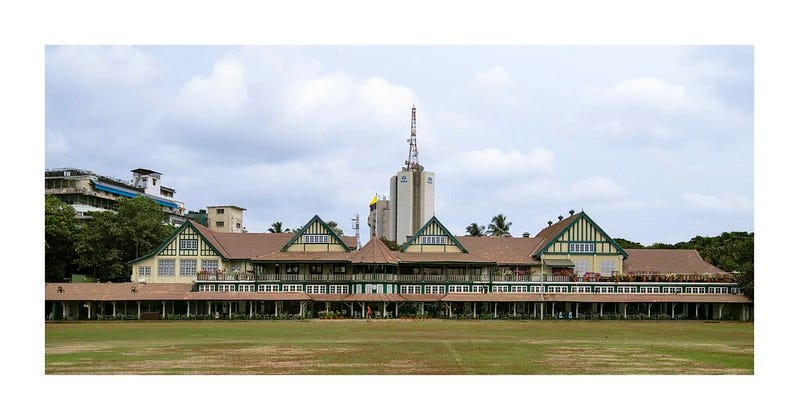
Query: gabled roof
point(433, 220)
point(330, 231)
point(374, 252)
point(551, 233)
point(665, 261)
point(240, 246)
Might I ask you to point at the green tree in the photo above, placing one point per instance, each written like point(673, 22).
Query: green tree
point(392, 245)
point(499, 226)
point(624, 243)
point(333, 225)
point(475, 230)
point(277, 227)
point(60, 230)
point(108, 241)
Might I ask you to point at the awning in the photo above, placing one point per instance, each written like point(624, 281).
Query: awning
point(565, 262)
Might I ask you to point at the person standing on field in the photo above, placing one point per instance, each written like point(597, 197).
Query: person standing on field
point(368, 313)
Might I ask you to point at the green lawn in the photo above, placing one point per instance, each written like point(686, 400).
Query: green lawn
point(399, 347)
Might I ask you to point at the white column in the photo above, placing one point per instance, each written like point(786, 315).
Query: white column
point(89, 305)
point(672, 310)
point(696, 310)
point(514, 309)
point(649, 310)
point(363, 310)
point(601, 305)
point(721, 306)
point(188, 308)
point(474, 310)
point(577, 311)
point(114, 309)
point(624, 305)
point(163, 309)
point(138, 306)
point(384, 309)
point(495, 310)
point(208, 305)
point(541, 313)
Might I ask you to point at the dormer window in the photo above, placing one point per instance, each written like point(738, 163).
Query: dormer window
point(582, 248)
point(433, 240)
point(316, 239)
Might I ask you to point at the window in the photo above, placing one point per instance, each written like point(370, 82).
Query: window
point(480, 289)
point(210, 265)
point(672, 289)
point(411, 289)
point(607, 268)
point(371, 288)
point(166, 268)
point(268, 288)
point(649, 289)
point(316, 289)
point(518, 289)
point(188, 268)
point(536, 289)
point(316, 239)
point(292, 268)
point(220, 211)
point(340, 269)
point(500, 289)
point(316, 269)
point(717, 290)
point(339, 289)
point(581, 289)
point(292, 288)
point(246, 288)
point(604, 289)
point(581, 248)
point(188, 244)
point(459, 289)
point(435, 289)
point(694, 290)
point(558, 289)
point(626, 289)
point(220, 224)
point(735, 290)
point(580, 266)
point(227, 288)
point(433, 240)
point(144, 271)
point(207, 288)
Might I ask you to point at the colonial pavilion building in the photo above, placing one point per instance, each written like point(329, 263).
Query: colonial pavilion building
point(570, 269)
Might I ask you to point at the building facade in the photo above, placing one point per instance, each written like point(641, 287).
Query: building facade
point(570, 269)
point(88, 192)
point(226, 218)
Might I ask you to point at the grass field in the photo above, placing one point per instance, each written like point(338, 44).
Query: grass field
point(399, 347)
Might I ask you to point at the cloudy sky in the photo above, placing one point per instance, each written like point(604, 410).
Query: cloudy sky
point(654, 143)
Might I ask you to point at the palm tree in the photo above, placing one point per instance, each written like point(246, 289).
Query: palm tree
point(475, 230)
point(499, 226)
point(277, 227)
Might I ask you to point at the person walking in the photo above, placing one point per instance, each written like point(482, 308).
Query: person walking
point(368, 313)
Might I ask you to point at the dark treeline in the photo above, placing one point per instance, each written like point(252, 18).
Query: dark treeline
point(731, 251)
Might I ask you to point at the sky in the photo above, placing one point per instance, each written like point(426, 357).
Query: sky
point(653, 143)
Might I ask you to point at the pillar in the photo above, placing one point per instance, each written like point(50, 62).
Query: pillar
point(534, 305)
point(601, 305)
point(721, 306)
point(163, 309)
point(138, 306)
point(63, 310)
point(541, 314)
point(89, 305)
point(495, 310)
point(696, 311)
point(672, 310)
point(514, 309)
point(553, 310)
point(188, 308)
point(384, 309)
point(474, 309)
point(363, 310)
point(577, 311)
point(649, 310)
point(624, 305)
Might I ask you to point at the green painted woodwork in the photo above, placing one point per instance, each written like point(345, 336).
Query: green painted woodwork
point(316, 226)
point(433, 227)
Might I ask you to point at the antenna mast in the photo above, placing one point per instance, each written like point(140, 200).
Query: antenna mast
point(413, 153)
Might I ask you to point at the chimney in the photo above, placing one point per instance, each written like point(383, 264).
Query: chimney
point(526, 235)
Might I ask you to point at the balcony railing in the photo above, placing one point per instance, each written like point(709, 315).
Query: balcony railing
point(455, 278)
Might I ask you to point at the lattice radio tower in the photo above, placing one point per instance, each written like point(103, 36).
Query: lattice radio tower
point(413, 153)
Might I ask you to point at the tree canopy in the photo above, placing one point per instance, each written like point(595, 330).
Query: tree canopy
point(277, 227)
point(108, 241)
point(60, 231)
point(475, 230)
point(499, 226)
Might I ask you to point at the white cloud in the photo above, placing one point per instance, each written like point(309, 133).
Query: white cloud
point(495, 76)
point(322, 92)
point(596, 187)
point(649, 91)
point(720, 203)
point(90, 68)
point(493, 163)
point(218, 97)
point(384, 98)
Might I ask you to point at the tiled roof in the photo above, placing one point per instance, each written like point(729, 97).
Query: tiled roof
point(505, 250)
point(332, 256)
point(374, 252)
point(115, 291)
point(247, 245)
point(440, 257)
point(665, 261)
point(550, 232)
